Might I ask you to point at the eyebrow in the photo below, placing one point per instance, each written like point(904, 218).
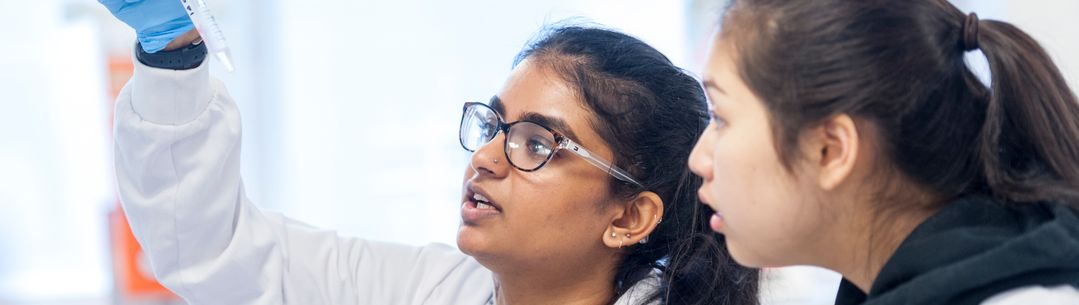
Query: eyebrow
point(551, 122)
point(709, 83)
point(557, 124)
point(496, 103)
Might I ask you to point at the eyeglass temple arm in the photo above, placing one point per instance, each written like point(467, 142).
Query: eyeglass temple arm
point(618, 173)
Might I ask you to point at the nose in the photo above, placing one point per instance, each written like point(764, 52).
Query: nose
point(700, 159)
point(490, 159)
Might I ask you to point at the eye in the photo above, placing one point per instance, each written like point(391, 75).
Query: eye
point(538, 147)
point(717, 121)
point(487, 127)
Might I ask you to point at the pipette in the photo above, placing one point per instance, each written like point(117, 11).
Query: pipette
point(210, 32)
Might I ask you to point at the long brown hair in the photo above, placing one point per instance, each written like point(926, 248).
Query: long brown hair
point(900, 65)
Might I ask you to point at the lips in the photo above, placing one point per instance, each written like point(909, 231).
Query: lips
point(480, 199)
point(716, 221)
point(477, 205)
point(483, 203)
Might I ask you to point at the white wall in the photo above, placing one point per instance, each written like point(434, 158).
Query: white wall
point(55, 158)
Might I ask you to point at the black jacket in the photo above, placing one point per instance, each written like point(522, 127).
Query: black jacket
point(974, 248)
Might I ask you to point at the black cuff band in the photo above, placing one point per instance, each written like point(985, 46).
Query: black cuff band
point(185, 58)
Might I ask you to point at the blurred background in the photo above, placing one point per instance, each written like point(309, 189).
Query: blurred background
point(350, 114)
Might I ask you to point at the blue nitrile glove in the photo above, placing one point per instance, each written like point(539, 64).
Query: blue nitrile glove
point(156, 22)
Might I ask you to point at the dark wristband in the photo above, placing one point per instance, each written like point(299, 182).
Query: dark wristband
point(185, 58)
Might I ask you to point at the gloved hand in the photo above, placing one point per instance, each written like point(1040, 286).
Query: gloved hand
point(156, 22)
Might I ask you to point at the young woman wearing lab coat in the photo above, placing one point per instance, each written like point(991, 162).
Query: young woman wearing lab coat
point(577, 192)
point(853, 135)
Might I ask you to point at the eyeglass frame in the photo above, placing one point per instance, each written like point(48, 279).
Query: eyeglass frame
point(564, 143)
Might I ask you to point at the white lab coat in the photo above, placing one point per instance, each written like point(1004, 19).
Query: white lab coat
point(178, 169)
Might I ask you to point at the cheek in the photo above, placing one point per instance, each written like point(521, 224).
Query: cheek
point(734, 170)
point(749, 182)
point(555, 224)
point(766, 213)
point(557, 208)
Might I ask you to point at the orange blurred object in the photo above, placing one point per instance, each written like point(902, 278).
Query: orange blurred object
point(134, 279)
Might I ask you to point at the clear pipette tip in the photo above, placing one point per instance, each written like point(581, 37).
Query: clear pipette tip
point(225, 59)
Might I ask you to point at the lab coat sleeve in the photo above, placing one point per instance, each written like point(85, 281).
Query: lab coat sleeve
point(177, 164)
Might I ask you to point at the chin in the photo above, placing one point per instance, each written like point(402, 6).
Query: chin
point(471, 241)
point(744, 258)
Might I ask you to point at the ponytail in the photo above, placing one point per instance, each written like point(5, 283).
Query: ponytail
point(1029, 143)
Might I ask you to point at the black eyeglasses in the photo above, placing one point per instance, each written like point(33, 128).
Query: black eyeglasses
point(528, 145)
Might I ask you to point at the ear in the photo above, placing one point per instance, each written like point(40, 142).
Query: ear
point(832, 148)
point(635, 221)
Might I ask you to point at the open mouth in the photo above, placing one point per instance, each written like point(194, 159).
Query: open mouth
point(481, 202)
point(478, 206)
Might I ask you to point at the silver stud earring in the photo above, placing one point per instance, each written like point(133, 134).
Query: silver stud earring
point(613, 234)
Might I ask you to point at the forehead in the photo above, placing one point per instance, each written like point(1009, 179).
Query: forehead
point(720, 65)
point(536, 88)
point(722, 76)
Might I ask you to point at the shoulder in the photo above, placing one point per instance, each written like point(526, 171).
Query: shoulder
point(1061, 295)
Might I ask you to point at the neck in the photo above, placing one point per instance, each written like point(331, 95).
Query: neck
point(878, 235)
point(575, 286)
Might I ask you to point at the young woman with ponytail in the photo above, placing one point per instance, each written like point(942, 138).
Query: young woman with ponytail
point(852, 135)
